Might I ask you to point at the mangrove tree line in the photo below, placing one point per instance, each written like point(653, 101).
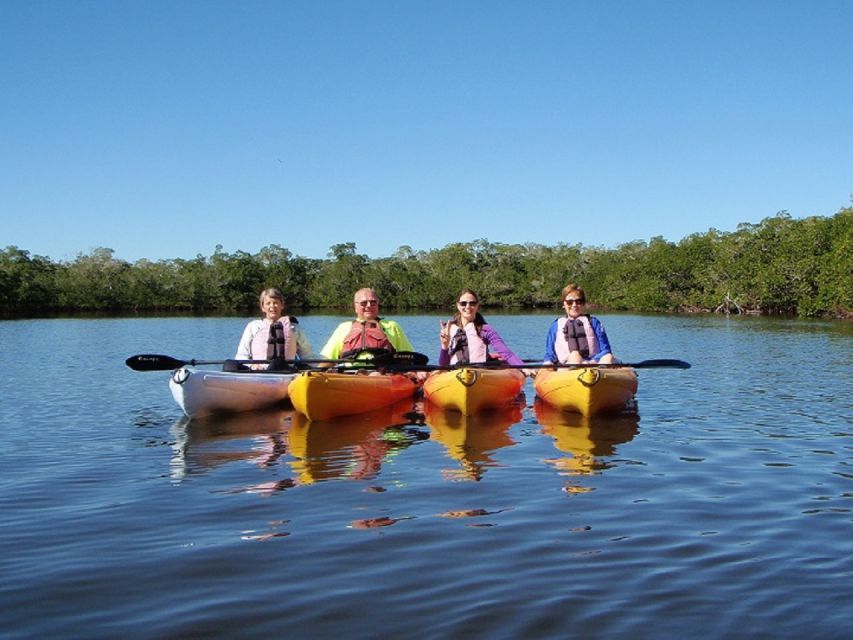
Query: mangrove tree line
point(780, 265)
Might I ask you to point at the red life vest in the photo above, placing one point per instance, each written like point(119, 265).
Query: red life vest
point(365, 335)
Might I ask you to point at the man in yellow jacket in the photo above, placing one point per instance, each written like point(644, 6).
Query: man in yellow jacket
point(367, 331)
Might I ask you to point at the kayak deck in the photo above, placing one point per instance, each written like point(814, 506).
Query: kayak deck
point(472, 389)
point(202, 393)
point(589, 390)
point(321, 395)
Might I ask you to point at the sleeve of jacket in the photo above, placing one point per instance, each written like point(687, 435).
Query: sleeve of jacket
point(396, 335)
point(494, 340)
point(244, 348)
point(332, 349)
point(550, 339)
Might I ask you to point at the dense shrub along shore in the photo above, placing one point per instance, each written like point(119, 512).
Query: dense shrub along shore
point(778, 266)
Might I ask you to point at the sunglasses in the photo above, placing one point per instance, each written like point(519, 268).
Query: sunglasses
point(571, 301)
point(365, 303)
point(466, 303)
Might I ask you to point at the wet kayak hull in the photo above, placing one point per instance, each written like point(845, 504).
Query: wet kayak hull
point(202, 393)
point(320, 395)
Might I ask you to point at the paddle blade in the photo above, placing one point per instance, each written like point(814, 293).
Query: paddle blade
point(385, 359)
point(153, 362)
point(408, 358)
point(661, 363)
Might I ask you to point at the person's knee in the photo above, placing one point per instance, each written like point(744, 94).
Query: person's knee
point(233, 365)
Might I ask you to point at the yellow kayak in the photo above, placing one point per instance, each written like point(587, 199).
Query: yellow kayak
point(322, 395)
point(471, 389)
point(588, 391)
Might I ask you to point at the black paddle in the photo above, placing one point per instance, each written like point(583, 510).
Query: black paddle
point(383, 360)
point(659, 363)
point(400, 359)
point(656, 363)
point(157, 362)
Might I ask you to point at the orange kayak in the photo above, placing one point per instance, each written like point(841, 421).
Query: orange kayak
point(322, 395)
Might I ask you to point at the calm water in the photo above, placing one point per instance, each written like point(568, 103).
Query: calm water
point(722, 508)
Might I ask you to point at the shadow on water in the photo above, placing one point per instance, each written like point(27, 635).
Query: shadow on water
point(471, 440)
point(590, 441)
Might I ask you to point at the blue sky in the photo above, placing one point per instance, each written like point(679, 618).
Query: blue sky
point(162, 129)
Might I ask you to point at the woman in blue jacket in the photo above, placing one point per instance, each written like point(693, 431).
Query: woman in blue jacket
point(577, 337)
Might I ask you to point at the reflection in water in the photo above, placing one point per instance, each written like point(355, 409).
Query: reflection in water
point(374, 523)
point(205, 443)
point(589, 440)
point(472, 439)
point(351, 447)
point(468, 513)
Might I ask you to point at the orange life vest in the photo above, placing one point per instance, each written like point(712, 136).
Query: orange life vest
point(365, 335)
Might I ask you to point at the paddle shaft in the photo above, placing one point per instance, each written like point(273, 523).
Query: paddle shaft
point(656, 363)
point(659, 363)
point(157, 362)
point(405, 361)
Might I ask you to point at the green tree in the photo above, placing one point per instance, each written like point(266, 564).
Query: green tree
point(93, 281)
point(239, 278)
point(834, 278)
point(26, 282)
point(339, 278)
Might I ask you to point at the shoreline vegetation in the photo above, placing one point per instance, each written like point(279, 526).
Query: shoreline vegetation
point(779, 266)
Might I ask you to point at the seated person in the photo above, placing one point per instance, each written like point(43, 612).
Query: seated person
point(367, 331)
point(577, 337)
point(466, 338)
point(275, 336)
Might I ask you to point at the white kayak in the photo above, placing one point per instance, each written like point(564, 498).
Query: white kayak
point(201, 392)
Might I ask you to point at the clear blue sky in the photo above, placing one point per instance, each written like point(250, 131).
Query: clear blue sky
point(161, 129)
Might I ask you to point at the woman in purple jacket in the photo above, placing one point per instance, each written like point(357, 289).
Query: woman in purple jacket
point(467, 338)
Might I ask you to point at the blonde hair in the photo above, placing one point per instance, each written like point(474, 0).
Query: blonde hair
point(273, 293)
point(572, 288)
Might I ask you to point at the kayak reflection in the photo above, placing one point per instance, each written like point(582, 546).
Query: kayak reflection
point(352, 447)
point(202, 444)
point(590, 440)
point(472, 439)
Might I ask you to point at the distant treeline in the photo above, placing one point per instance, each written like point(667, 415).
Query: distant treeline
point(779, 266)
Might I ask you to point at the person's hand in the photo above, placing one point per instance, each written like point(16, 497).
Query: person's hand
point(444, 334)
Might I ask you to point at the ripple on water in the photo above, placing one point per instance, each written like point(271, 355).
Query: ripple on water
point(723, 509)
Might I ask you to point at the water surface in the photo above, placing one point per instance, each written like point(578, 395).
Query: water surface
point(723, 506)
